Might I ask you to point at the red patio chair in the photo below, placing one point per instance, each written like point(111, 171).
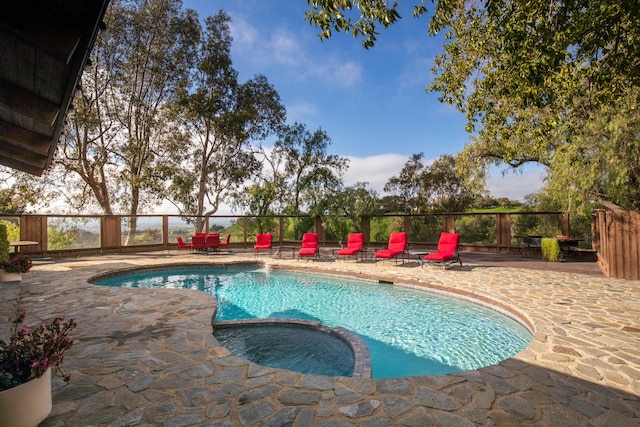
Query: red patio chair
point(354, 246)
point(212, 242)
point(182, 245)
point(199, 243)
point(263, 242)
point(447, 252)
point(309, 247)
point(226, 241)
point(397, 246)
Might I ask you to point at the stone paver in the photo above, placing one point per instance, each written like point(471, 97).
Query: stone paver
point(147, 356)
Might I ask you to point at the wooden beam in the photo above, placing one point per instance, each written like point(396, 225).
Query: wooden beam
point(28, 104)
point(17, 138)
point(46, 32)
point(21, 166)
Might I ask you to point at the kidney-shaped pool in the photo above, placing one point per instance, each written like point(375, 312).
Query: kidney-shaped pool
point(408, 332)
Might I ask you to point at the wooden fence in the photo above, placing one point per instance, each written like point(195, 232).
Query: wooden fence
point(616, 238)
point(106, 234)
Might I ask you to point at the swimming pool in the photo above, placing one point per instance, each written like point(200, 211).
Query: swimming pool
point(408, 332)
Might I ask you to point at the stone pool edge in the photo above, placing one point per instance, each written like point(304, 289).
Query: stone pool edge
point(361, 354)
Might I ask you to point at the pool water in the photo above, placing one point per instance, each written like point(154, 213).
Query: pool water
point(408, 332)
point(289, 347)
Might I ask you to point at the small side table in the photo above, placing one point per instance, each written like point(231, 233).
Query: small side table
point(20, 243)
point(417, 255)
point(282, 249)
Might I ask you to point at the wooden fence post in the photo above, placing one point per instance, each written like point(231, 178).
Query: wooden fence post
point(281, 230)
point(318, 228)
point(110, 232)
point(34, 228)
point(366, 230)
point(165, 232)
point(503, 231)
point(565, 225)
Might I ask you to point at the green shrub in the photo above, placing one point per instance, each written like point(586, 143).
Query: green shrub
point(13, 231)
point(4, 243)
point(550, 249)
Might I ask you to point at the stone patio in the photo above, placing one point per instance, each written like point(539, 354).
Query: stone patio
point(147, 357)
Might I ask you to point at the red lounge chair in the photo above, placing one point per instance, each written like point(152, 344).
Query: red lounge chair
point(397, 246)
point(263, 242)
point(182, 245)
point(354, 245)
point(447, 252)
point(309, 246)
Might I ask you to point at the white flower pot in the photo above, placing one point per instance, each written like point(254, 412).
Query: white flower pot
point(10, 277)
point(28, 404)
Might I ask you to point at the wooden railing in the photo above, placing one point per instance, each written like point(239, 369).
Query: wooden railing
point(73, 235)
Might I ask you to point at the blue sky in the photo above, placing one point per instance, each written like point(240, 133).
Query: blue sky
point(372, 103)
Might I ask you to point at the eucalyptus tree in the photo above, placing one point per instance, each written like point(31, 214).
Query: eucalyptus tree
point(153, 44)
point(554, 83)
point(344, 209)
point(85, 164)
point(222, 117)
point(121, 127)
point(435, 187)
point(265, 194)
point(309, 168)
point(19, 191)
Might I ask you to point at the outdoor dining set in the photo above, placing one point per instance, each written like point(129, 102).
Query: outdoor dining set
point(204, 243)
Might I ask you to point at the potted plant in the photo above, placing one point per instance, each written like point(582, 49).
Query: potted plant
point(25, 370)
point(14, 267)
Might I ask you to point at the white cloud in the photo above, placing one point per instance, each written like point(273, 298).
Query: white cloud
point(376, 170)
point(244, 34)
point(285, 50)
point(300, 110)
point(515, 186)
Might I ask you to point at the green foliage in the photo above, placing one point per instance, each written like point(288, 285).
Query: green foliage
point(310, 171)
point(123, 127)
point(296, 173)
point(477, 229)
point(222, 116)
point(553, 83)
point(425, 228)
point(330, 15)
point(344, 210)
point(13, 229)
point(381, 227)
point(62, 238)
point(536, 225)
point(70, 233)
point(19, 190)
point(550, 249)
point(4, 243)
point(421, 188)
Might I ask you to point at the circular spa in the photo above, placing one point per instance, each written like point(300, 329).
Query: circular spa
point(408, 332)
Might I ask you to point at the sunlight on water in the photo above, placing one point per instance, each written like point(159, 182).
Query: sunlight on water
point(409, 332)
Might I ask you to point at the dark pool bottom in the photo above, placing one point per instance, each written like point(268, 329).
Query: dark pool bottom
point(297, 345)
